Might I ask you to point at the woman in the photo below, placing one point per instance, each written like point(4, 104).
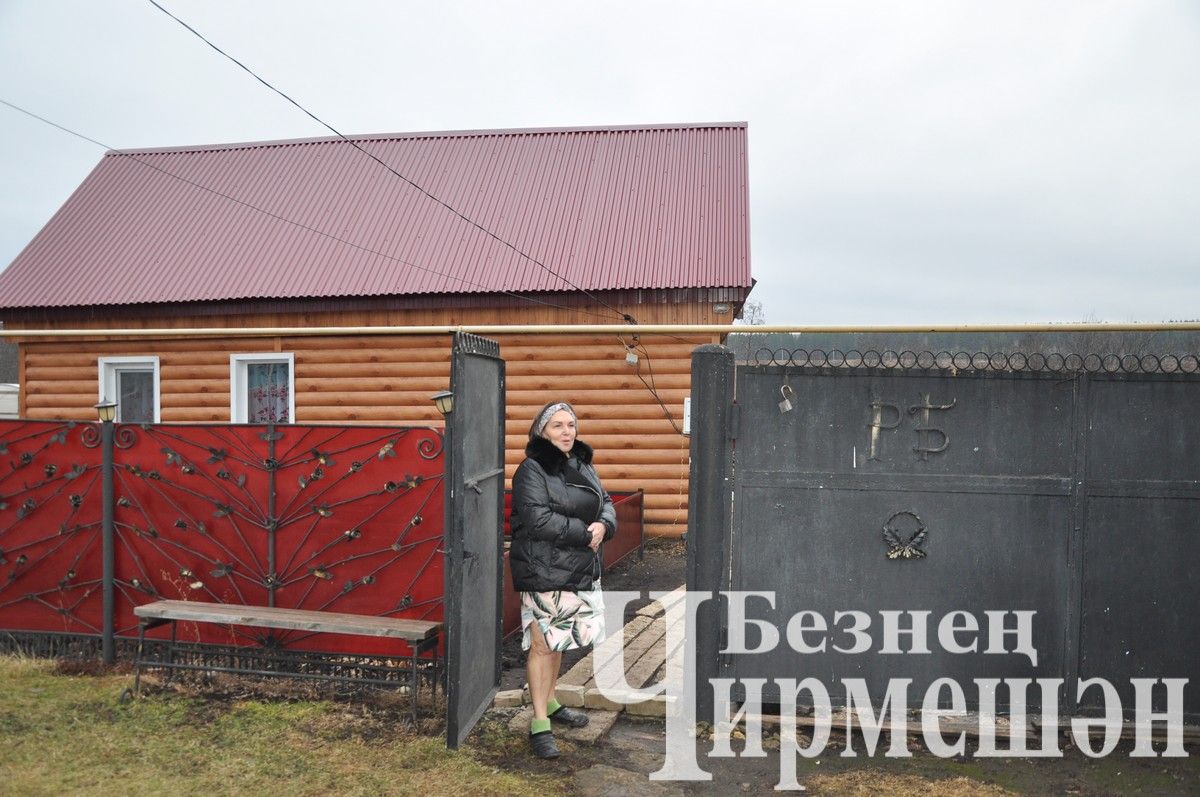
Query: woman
point(560, 516)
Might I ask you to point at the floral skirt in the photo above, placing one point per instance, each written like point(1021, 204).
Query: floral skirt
point(568, 620)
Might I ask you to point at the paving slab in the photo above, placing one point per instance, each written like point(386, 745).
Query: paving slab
point(570, 695)
point(510, 698)
point(643, 657)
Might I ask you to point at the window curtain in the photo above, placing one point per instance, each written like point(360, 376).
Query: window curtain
point(135, 396)
point(268, 393)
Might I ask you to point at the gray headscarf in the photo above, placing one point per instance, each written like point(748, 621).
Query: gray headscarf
point(548, 413)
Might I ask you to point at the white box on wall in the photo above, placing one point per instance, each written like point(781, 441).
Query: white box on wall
point(8, 400)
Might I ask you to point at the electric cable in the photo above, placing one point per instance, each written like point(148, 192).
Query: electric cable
point(650, 386)
point(645, 354)
point(684, 448)
point(624, 316)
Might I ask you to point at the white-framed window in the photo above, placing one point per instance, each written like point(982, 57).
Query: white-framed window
point(262, 388)
point(132, 382)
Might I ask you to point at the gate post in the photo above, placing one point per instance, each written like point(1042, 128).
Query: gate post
point(709, 504)
point(107, 545)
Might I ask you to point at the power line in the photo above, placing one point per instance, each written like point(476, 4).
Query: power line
point(650, 386)
point(292, 222)
point(54, 124)
point(625, 316)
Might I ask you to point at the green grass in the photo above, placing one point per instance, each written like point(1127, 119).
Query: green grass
point(65, 734)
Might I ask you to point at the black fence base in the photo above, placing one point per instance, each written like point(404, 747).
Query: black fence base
point(345, 668)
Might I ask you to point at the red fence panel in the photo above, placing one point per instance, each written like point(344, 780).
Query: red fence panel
point(631, 533)
point(320, 517)
point(49, 527)
point(314, 517)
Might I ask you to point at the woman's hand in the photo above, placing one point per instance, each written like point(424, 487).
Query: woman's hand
point(597, 530)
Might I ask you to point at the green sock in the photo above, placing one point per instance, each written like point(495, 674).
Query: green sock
point(552, 706)
point(537, 726)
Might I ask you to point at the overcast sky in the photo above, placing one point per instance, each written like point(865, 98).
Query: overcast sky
point(917, 162)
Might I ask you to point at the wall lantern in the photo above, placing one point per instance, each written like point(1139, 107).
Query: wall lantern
point(444, 402)
point(106, 410)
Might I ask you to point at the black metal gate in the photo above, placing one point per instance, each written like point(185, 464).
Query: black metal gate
point(950, 483)
point(474, 531)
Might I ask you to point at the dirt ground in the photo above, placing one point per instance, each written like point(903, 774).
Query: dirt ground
point(619, 763)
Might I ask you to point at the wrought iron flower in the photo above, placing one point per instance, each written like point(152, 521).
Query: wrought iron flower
point(26, 508)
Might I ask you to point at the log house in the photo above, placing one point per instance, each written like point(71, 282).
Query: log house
point(134, 249)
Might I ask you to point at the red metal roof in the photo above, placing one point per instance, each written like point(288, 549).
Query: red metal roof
point(607, 208)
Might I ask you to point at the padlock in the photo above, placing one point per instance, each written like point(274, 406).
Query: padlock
point(788, 395)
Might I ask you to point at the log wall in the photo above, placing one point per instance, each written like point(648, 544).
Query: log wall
point(388, 379)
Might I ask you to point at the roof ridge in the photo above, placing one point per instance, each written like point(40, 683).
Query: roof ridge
point(470, 133)
point(663, 207)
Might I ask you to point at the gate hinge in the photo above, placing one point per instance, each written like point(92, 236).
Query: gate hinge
point(735, 418)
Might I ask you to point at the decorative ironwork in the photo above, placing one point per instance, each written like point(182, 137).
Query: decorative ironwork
point(878, 424)
point(49, 528)
point(431, 447)
point(90, 436)
point(273, 658)
point(124, 436)
point(924, 431)
point(467, 343)
point(900, 546)
point(1013, 362)
point(234, 514)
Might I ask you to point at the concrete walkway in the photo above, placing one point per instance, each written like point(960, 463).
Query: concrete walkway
point(645, 662)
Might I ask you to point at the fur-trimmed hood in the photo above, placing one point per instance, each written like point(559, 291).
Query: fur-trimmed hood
point(548, 455)
point(551, 513)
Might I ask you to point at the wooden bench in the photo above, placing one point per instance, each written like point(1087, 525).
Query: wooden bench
point(421, 635)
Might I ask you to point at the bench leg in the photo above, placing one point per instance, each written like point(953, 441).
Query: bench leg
point(418, 648)
point(438, 673)
point(171, 654)
point(433, 685)
point(143, 627)
point(430, 645)
point(414, 647)
point(137, 660)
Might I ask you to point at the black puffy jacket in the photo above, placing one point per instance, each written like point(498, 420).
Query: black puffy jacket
point(549, 530)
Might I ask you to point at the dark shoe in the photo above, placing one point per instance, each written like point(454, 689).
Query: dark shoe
point(570, 717)
point(543, 744)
